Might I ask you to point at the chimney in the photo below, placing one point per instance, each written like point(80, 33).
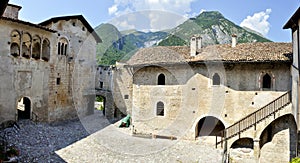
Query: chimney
point(195, 44)
point(234, 40)
point(12, 11)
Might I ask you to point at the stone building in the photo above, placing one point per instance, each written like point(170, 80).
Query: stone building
point(238, 94)
point(294, 24)
point(47, 69)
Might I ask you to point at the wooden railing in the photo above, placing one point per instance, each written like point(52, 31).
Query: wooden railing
point(252, 119)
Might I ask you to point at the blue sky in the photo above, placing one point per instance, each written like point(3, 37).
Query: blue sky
point(264, 16)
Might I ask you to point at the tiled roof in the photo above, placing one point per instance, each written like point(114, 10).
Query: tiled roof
point(244, 52)
point(27, 23)
point(292, 23)
point(79, 17)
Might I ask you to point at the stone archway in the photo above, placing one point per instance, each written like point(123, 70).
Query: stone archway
point(209, 126)
point(278, 139)
point(24, 108)
point(100, 103)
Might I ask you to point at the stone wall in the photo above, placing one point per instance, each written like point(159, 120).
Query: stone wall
point(60, 85)
point(21, 76)
point(77, 70)
point(189, 94)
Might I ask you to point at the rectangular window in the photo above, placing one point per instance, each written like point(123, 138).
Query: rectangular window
point(58, 48)
point(101, 84)
point(57, 81)
point(126, 97)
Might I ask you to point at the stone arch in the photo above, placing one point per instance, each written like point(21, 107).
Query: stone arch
point(242, 149)
point(36, 48)
point(278, 139)
point(209, 126)
point(160, 109)
point(161, 79)
point(46, 50)
point(26, 45)
point(243, 143)
point(24, 108)
point(15, 38)
point(103, 102)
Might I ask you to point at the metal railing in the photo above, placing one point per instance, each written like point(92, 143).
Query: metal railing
point(252, 119)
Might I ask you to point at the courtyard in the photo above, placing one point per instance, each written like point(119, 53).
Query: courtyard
point(93, 139)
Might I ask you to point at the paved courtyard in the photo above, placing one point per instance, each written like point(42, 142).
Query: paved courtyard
point(94, 139)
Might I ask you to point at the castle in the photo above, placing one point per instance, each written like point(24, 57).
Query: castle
point(47, 69)
point(243, 97)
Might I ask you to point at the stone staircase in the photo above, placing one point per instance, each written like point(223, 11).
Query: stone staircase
point(254, 118)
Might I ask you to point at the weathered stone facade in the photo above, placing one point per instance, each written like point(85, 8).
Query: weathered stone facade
point(49, 67)
point(169, 93)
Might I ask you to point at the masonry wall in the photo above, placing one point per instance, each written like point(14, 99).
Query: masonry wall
point(22, 77)
point(77, 69)
point(189, 94)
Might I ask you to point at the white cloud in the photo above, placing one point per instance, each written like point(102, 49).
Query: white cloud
point(113, 9)
point(258, 22)
point(156, 21)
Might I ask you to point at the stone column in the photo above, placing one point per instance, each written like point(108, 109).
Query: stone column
point(256, 149)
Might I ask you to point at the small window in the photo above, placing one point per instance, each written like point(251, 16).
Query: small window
point(160, 109)
point(216, 79)
point(62, 47)
point(126, 97)
point(101, 84)
point(267, 81)
point(66, 47)
point(58, 51)
point(161, 79)
point(57, 81)
point(14, 49)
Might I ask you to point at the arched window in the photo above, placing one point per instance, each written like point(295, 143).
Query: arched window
point(161, 79)
point(160, 109)
point(216, 79)
point(15, 43)
point(36, 48)
point(46, 50)
point(26, 45)
point(62, 46)
point(14, 49)
point(267, 81)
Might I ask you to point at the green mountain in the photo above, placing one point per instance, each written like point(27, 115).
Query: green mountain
point(214, 28)
point(118, 46)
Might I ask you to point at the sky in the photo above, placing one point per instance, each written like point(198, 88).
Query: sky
point(265, 16)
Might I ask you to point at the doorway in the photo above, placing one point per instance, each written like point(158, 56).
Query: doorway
point(24, 108)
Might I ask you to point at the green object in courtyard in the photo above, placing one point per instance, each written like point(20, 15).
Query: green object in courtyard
point(125, 121)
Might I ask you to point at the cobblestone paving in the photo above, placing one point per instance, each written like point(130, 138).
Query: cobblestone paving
point(93, 139)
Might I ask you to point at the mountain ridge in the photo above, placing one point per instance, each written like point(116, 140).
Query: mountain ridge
point(212, 26)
